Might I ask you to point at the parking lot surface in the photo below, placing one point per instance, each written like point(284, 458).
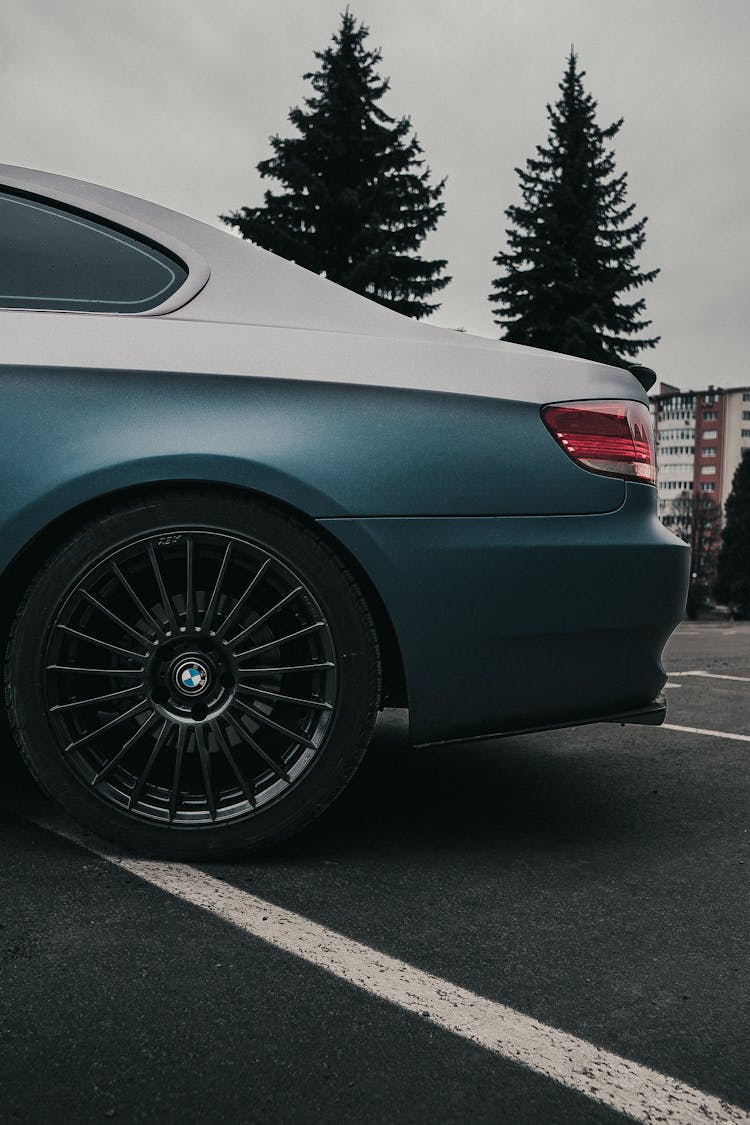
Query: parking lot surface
point(593, 882)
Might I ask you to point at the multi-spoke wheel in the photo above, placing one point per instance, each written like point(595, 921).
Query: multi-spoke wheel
point(193, 675)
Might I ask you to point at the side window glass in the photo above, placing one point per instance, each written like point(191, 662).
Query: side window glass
point(52, 258)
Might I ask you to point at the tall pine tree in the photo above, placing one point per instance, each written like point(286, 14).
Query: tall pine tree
point(357, 200)
point(573, 242)
point(733, 571)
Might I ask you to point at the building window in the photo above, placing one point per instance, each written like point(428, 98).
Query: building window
point(708, 486)
point(746, 415)
point(710, 416)
point(708, 451)
point(708, 470)
point(708, 434)
point(746, 396)
point(745, 433)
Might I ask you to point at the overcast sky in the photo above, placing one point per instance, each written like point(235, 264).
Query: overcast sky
point(175, 100)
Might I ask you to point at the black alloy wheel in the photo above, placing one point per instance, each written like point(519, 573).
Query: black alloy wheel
point(194, 675)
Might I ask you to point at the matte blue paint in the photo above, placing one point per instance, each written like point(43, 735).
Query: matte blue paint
point(510, 610)
point(514, 622)
point(67, 436)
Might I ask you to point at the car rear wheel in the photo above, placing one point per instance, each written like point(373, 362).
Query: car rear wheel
point(193, 675)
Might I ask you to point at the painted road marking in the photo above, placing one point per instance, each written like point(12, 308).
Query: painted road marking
point(711, 676)
point(711, 733)
point(637, 1091)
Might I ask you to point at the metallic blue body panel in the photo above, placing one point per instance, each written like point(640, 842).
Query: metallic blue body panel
point(523, 590)
point(516, 622)
point(67, 436)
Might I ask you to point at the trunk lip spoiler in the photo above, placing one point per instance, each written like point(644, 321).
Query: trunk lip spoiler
point(646, 376)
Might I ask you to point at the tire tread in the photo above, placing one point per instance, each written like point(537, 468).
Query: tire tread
point(316, 543)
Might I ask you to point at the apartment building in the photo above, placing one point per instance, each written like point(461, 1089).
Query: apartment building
point(674, 422)
point(700, 438)
point(736, 434)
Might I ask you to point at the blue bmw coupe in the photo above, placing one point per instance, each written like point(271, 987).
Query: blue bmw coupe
point(244, 509)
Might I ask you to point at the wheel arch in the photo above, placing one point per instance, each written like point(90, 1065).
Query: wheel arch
point(17, 575)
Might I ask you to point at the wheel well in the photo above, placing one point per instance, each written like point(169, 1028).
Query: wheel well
point(17, 576)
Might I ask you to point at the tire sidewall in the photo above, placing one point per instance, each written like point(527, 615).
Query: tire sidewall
point(308, 556)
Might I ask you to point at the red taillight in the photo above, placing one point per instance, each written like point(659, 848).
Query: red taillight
point(615, 438)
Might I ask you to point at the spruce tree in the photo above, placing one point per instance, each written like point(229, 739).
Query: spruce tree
point(357, 200)
point(573, 241)
point(733, 571)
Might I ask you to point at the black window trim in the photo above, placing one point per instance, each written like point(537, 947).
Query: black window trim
point(117, 222)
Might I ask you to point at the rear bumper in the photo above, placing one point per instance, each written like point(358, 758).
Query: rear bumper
point(518, 623)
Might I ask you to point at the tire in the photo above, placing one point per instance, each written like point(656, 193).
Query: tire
point(193, 675)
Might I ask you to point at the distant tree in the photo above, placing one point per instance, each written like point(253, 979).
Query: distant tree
point(573, 242)
point(733, 570)
point(680, 515)
point(357, 200)
point(705, 520)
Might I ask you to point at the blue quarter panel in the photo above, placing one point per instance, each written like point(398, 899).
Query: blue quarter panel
point(523, 589)
point(514, 622)
point(68, 436)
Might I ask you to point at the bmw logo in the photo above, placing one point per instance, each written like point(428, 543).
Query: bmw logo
point(192, 676)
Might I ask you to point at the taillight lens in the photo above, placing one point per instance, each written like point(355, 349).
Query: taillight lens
point(614, 438)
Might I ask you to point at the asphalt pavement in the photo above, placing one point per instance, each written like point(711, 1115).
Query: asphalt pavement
point(594, 879)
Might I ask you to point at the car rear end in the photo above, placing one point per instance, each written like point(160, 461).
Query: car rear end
point(551, 605)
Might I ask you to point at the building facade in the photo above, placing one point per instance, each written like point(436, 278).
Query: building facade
point(737, 434)
point(701, 436)
point(674, 424)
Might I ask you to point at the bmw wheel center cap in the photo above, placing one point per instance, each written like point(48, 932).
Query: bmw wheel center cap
point(192, 676)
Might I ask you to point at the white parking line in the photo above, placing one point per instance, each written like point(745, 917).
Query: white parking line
point(637, 1091)
point(711, 676)
point(711, 733)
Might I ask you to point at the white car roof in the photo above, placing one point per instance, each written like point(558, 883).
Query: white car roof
point(248, 285)
point(234, 314)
